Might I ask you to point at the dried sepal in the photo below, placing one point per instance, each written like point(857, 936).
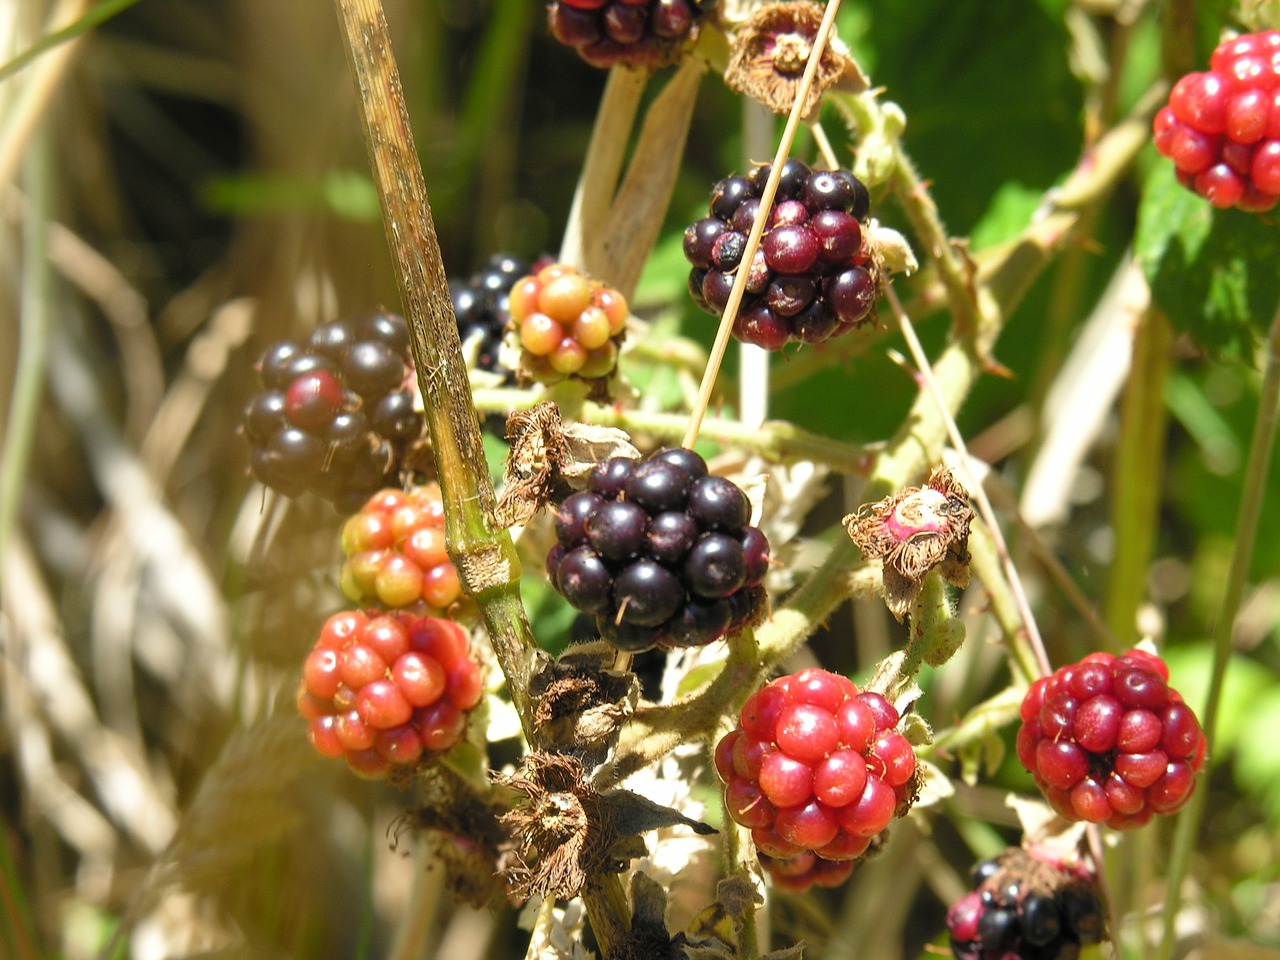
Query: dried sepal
point(770, 51)
point(581, 703)
point(913, 532)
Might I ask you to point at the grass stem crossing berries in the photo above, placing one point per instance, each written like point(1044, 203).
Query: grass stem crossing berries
point(1109, 741)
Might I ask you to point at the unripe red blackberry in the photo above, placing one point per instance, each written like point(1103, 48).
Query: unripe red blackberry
point(337, 416)
point(1221, 127)
point(396, 556)
point(386, 691)
point(816, 766)
point(1109, 741)
point(641, 33)
point(806, 870)
point(1026, 904)
point(564, 324)
point(660, 552)
point(815, 275)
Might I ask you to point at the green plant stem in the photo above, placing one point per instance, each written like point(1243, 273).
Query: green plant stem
point(985, 564)
point(482, 551)
point(1139, 467)
point(96, 15)
point(1251, 496)
point(608, 911)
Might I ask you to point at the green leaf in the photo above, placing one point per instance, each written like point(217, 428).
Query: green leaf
point(1257, 760)
point(1212, 271)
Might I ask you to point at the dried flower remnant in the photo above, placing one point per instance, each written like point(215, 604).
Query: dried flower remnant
point(913, 532)
point(771, 49)
point(581, 702)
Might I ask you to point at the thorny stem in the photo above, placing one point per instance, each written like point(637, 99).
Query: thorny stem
point(757, 228)
point(482, 552)
point(1252, 492)
point(975, 484)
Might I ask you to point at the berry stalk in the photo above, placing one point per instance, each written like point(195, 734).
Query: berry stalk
point(1252, 491)
point(482, 552)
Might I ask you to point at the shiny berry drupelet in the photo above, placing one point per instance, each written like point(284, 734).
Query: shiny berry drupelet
point(563, 324)
point(815, 275)
point(805, 870)
point(1109, 741)
point(396, 556)
point(337, 415)
point(1026, 904)
point(1221, 127)
point(386, 691)
point(481, 305)
point(816, 766)
point(639, 33)
point(660, 552)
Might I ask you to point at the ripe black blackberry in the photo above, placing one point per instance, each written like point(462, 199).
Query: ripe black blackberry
point(660, 552)
point(641, 33)
point(1026, 904)
point(337, 416)
point(481, 305)
point(816, 274)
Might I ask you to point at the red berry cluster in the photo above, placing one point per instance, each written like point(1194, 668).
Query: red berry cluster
point(1221, 128)
point(814, 275)
point(1028, 905)
point(1109, 741)
point(382, 690)
point(395, 552)
point(642, 33)
point(337, 415)
point(566, 325)
point(815, 766)
point(805, 870)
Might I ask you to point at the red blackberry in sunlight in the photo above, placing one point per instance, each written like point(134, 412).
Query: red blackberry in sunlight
point(396, 556)
point(1221, 127)
point(805, 870)
point(563, 324)
point(1026, 904)
point(337, 417)
point(660, 552)
point(641, 33)
point(387, 691)
point(816, 274)
point(1109, 741)
point(816, 766)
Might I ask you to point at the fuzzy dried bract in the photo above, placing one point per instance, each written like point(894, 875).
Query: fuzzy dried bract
point(913, 532)
point(581, 703)
point(771, 49)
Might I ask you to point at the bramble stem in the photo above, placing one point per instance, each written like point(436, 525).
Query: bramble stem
point(482, 552)
point(1251, 495)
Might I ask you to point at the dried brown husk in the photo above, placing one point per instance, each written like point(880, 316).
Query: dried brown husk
point(582, 703)
point(770, 51)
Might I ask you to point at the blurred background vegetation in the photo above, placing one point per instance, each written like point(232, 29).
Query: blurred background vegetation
point(187, 183)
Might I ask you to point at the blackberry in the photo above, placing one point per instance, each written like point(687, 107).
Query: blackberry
point(562, 324)
point(482, 305)
point(816, 766)
point(659, 551)
point(1109, 741)
point(1221, 127)
point(806, 870)
point(387, 691)
point(815, 275)
point(642, 33)
point(337, 416)
point(1026, 903)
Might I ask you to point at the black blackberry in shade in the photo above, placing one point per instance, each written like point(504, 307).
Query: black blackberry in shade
point(337, 416)
point(656, 571)
point(814, 235)
point(481, 305)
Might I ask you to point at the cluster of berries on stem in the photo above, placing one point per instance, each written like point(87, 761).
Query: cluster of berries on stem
point(815, 275)
point(1109, 741)
point(815, 767)
point(1026, 904)
point(1221, 127)
point(396, 554)
point(337, 417)
point(482, 307)
point(386, 690)
point(661, 552)
point(640, 33)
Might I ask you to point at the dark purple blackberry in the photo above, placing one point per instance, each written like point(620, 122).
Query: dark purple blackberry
point(643, 33)
point(481, 305)
point(661, 552)
point(337, 416)
point(1026, 904)
point(815, 276)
